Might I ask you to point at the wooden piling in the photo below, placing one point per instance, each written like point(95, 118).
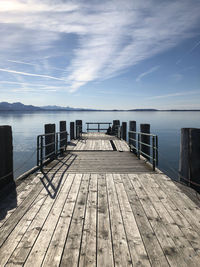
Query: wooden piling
point(50, 129)
point(72, 130)
point(124, 131)
point(63, 134)
point(78, 128)
point(189, 164)
point(6, 156)
point(132, 128)
point(145, 128)
point(116, 124)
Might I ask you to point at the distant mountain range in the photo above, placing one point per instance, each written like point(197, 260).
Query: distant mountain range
point(5, 106)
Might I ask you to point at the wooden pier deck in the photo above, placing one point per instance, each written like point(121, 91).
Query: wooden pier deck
point(98, 205)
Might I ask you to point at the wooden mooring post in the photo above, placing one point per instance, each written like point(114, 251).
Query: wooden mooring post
point(72, 130)
point(189, 164)
point(145, 139)
point(116, 124)
point(50, 129)
point(63, 134)
point(124, 131)
point(6, 156)
point(78, 128)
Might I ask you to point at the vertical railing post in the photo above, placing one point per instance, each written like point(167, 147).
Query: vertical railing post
point(98, 128)
point(139, 146)
point(56, 145)
point(41, 150)
point(153, 152)
point(156, 150)
point(38, 152)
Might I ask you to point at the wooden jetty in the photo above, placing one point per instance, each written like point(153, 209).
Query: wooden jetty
point(97, 204)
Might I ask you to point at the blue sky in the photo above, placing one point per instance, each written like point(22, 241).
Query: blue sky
point(101, 54)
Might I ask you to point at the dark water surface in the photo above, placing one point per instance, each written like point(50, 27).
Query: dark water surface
point(167, 125)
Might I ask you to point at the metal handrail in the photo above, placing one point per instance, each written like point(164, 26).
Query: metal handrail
point(58, 145)
point(98, 127)
point(135, 145)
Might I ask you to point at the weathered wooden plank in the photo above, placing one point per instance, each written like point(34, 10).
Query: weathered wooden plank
point(136, 246)
point(104, 243)
point(119, 240)
point(181, 242)
point(19, 212)
point(56, 246)
point(40, 246)
point(12, 202)
point(169, 247)
point(88, 246)
point(28, 239)
point(192, 236)
point(184, 204)
point(152, 245)
point(14, 238)
point(70, 256)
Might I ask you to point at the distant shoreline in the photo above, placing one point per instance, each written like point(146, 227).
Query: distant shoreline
point(20, 107)
point(96, 110)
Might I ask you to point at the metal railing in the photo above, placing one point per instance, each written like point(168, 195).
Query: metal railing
point(98, 126)
point(50, 145)
point(138, 147)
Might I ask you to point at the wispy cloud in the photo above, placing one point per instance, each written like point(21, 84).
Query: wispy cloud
point(110, 36)
point(142, 75)
point(190, 51)
point(31, 74)
point(175, 95)
point(35, 65)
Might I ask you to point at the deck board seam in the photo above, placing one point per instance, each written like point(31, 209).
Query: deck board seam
point(110, 220)
point(148, 220)
point(71, 221)
point(67, 195)
point(83, 225)
point(51, 207)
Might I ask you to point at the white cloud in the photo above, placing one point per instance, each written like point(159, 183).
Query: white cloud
point(31, 74)
point(112, 36)
point(153, 69)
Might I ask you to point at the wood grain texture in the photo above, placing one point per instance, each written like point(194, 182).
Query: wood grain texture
point(96, 206)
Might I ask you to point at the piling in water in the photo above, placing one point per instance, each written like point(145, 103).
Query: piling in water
point(50, 129)
point(189, 164)
point(132, 135)
point(145, 140)
point(6, 156)
point(78, 128)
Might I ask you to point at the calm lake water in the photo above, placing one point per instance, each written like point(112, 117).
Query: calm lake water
point(167, 125)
